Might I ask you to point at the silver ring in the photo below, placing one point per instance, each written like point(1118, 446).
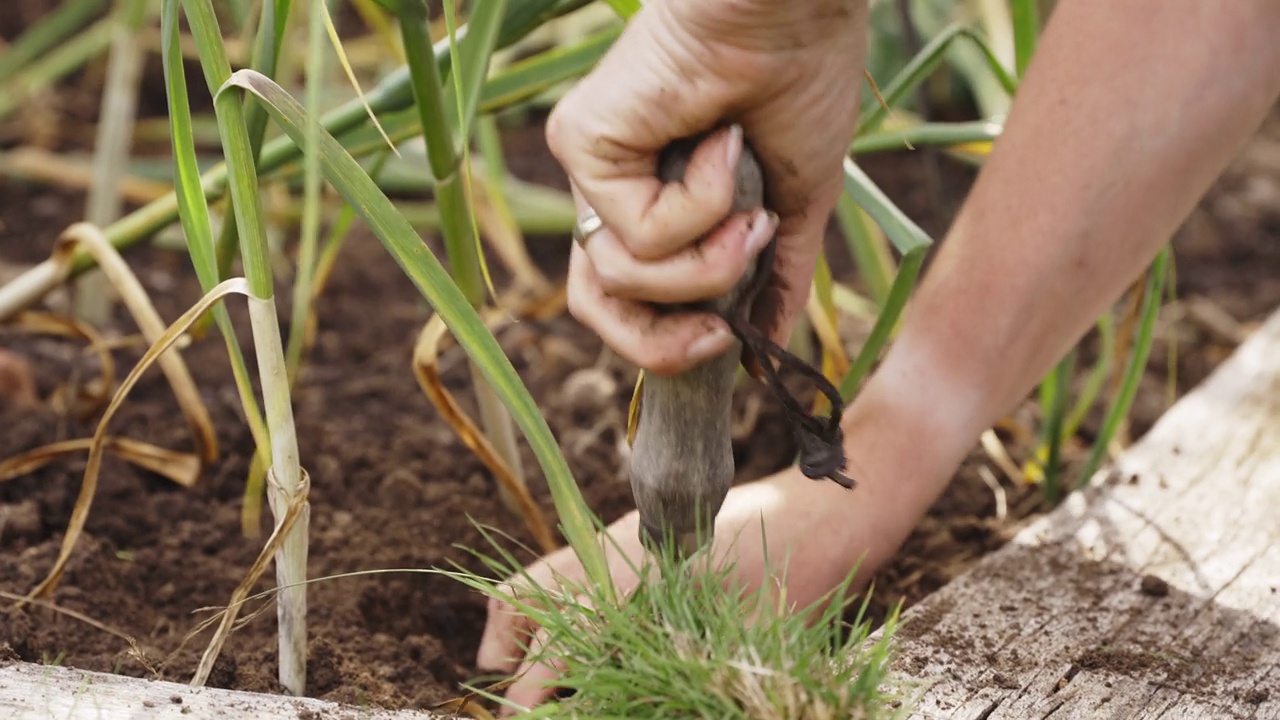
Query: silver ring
point(586, 226)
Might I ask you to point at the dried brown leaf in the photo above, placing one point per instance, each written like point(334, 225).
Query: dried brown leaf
point(425, 354)
point(97, 447)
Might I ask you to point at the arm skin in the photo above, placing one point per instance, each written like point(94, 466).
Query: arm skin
point(1127, 114)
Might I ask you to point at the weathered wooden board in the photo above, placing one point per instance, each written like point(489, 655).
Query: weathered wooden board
point(42, 692)
point(1153, 594)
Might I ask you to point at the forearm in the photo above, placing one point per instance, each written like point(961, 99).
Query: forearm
point(1129, 111)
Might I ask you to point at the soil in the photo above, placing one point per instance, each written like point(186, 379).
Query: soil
point(394, 488)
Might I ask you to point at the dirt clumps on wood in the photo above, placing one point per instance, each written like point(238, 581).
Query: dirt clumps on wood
point(1153, 586)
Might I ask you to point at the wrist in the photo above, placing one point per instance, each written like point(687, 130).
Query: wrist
point(918, 400)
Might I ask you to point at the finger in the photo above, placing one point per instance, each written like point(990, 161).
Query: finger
point(506, 628)
point(664, 344)
point(780, 303)
point(607, 133)
point(706, 271)
point(655, 218)
point(534, 681)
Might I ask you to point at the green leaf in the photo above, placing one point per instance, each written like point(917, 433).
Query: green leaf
point(531, 76)
point(422, 267)
point(911, 241)
point(471, 59)
point(868, 247)
point(895, 303)
point(1137, 363)
point(193, 212)
point(924, 63)
point(901, 230)
point(625, 8)
point(1097, 376)
point(46, 34)
point(1025, 15)
point(927, 134)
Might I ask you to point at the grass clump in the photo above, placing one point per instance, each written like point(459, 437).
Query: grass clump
point(693, 642)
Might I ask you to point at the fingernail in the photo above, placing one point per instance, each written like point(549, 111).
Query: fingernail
point(709, 345)
point(763, 226)
point(734, 151)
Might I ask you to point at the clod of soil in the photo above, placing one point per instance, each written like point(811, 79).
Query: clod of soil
point(1153, 586)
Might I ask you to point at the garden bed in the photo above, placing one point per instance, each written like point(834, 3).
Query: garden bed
point(1150, 594)
point(393, 487)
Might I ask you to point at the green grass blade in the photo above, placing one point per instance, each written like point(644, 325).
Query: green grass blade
point(266, 57)
point(317, 26)
point(237, 148)
point(427, 89)
point(924, 63)
point(458, 225)
point(1137, 364)
point(1057, 388)
point(272, 24)
point(421, 266)
point(46, 34)
point(471, 60)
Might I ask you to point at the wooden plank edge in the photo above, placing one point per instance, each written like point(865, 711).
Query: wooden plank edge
point(1253, 371)
point(43, 692)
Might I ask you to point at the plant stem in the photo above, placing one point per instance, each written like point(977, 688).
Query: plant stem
point(266, 56)
point(50, 31)
point(868, 246)
point(92, 295)
point(285, 473)
point(306, 267)
point(61, 61)
point(1153, 292)
point(456, 220)
point(1025, 16)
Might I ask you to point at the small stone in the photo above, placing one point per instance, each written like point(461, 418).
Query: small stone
point(400, 488)
point(1153, 586)
point(590, 389)
point(20, 520)
point(17, 384)
point(175, 699)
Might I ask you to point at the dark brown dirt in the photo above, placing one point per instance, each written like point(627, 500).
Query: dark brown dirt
point(392, 486)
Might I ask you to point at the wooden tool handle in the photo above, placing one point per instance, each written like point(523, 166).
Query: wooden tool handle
point(682, 458)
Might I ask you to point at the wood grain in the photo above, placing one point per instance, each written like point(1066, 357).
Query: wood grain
point(1155, 593)
point(42, 692)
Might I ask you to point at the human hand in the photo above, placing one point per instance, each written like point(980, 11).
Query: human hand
point(787, 75)
point(790, 524)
